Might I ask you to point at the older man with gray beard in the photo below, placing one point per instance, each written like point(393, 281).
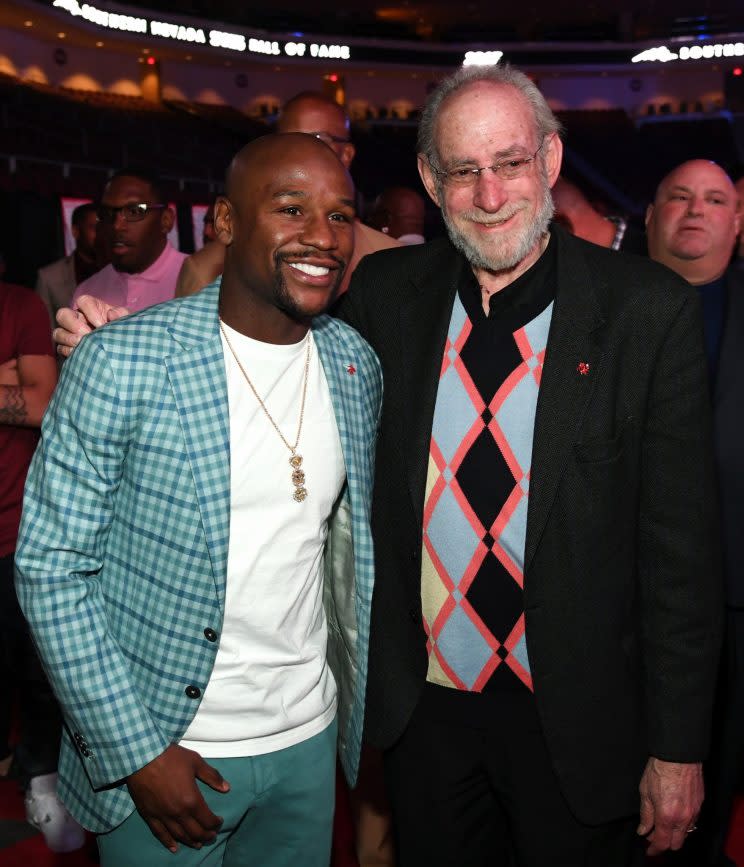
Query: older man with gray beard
point(546, 618)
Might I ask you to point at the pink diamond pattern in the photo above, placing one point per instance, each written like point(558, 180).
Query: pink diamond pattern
point(512, 409)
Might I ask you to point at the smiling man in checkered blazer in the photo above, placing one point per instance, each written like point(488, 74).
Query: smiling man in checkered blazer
point(195, 557)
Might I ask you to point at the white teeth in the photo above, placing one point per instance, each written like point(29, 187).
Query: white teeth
point(311, 270)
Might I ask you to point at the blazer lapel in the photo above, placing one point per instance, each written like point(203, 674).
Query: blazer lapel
point(572, 366)
point(197, 377)
point(424, 322)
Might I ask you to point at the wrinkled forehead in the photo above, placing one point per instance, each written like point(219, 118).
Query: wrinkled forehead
point(699, 178)
point(495, 112)
point(300, 173)
point(125, 189)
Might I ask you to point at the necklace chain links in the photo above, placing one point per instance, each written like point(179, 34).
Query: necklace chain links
point(295, 460)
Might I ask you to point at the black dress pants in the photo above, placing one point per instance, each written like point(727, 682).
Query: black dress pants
point(24, 682)
point(471, 785)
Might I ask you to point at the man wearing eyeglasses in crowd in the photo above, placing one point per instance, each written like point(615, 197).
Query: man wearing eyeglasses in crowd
point(547, 610)
point(307, 112)
point(144, 264)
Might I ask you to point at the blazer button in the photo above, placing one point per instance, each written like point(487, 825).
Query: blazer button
point(210, 634)
point(413, 614)
point(192, 691)
point(414, 555)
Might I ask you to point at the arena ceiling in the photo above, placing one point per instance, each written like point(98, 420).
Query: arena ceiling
point(476, 20)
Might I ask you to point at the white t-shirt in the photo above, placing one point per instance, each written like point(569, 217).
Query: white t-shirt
point(271, 686)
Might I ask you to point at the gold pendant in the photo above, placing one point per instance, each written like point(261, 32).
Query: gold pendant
point(298, 478)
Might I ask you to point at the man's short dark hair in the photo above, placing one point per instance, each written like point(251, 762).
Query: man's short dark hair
point(141, 174)
point(81, 212)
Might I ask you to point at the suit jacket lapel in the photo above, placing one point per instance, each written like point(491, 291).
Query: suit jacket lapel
point(574, 339)
point(197, 377)
point(424, 322)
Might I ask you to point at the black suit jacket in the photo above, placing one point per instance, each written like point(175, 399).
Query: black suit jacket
point(622, 584)
point(728, 408)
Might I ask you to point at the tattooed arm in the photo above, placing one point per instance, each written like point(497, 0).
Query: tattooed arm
point(25, 389)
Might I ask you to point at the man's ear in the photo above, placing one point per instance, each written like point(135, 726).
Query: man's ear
point(75, 232)
point(348, 151)
point(427, 177)
point(167, 219)
point(223, 220)
point(553, 158)
point(649, 213)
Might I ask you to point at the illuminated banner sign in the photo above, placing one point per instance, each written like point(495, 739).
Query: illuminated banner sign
point(432, 56)
point(662, 54)
point(112, 20)
point(203, 36)
point(482, 58)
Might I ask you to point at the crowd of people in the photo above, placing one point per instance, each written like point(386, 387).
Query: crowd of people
point(473, 534)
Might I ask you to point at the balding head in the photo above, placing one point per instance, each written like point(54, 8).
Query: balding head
point(287, 222)
point(693, 222)
point(398, 211)
point(315, 114)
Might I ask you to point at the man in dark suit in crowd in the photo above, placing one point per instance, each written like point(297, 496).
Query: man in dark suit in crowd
point(692, 227)
point(546, 618)
point(56, 283)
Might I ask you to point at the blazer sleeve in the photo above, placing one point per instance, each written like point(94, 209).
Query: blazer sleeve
point(68, 509)
point(679, 547)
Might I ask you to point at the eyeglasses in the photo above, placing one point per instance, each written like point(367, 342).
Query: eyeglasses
point(133, 212)
point(508, 170)
point(330, 139)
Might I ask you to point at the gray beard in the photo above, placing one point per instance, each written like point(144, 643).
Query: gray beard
point(501, 257)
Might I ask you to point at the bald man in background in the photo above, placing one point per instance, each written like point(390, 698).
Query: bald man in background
point(398, 212)
point(313, 114)
point(692, 227)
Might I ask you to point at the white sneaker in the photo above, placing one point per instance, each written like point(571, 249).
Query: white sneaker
point(45, 811)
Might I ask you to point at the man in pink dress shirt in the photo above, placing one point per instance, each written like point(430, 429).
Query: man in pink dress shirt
point(144, 265)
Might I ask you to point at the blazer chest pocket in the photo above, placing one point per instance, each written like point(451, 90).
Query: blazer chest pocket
point(599, 450)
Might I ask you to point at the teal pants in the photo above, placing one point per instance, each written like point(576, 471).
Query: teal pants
point(278, 813)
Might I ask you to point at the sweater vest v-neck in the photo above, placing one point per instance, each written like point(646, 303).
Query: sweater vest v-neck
point(477, 488)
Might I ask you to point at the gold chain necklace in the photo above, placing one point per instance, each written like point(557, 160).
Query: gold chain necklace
point(295, 460)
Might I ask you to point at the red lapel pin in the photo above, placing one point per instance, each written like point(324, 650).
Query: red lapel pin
point(583, 368)
point(350, 369)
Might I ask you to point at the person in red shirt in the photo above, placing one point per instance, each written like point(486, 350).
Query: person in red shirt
point(28, 374)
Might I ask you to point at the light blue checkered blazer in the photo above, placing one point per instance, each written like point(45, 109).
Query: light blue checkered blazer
point(122, 552)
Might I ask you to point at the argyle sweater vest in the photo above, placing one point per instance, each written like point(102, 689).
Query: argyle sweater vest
point(475, 512)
